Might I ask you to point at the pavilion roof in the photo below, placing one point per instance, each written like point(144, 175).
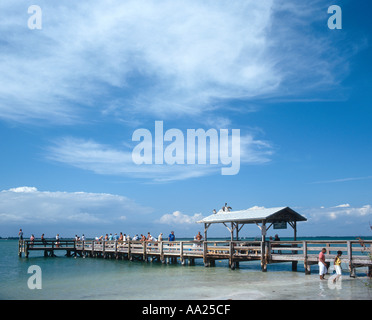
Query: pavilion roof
point(255, 215)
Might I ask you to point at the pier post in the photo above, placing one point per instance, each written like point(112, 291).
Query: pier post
point(144, 255)
point(181, 253)
point(263, 257)
point(129, 250)
point(263, 247)
point(294, 263)
point(162, 252)
point(350, 257)
point(93, 254)
point(268, 252)
point(20, 248)
point(205, 252)
point(306, 264)
point(74, 248)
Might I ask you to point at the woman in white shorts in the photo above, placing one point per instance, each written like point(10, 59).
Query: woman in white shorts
point(322, 264)
point(337, 264)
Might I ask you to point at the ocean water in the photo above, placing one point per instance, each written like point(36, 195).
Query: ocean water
point(92, 278)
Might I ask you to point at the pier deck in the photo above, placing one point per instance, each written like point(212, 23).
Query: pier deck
point(355, 253)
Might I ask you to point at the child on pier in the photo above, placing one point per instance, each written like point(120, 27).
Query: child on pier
point(337, 263)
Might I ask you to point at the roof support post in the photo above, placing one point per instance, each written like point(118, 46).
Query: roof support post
point(206, 226)
point(263, 247)
point(293, 224)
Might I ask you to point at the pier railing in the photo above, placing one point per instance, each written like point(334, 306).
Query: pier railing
point(356, 253)
point(47, 245)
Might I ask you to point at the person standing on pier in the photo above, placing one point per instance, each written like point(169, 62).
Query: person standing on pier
point(199, 237)
point(322, 264)
point(171, 237)
point(20, 234)
point(57, 240)
point(32, 238)
point(43, 240)
point(160, 237)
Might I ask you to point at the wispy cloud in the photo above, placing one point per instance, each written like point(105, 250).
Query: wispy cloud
point(149, 57)
point(110, 160)
point(342, 180)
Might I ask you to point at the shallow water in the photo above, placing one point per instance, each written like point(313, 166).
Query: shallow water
point(92, 278)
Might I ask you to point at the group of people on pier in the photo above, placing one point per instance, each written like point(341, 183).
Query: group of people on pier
point(110, 237)
point(116, 237)
point(126, 237)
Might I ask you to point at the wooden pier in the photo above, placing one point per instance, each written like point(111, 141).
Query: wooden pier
point(355, 253)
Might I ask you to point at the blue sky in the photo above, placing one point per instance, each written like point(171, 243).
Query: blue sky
point(73, 93)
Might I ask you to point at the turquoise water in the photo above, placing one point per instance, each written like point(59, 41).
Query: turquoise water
point(92, 278)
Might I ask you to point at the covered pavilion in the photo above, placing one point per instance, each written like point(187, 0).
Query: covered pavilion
point(264, 218)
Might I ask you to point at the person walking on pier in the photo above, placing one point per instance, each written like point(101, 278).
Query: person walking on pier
point(322, 264)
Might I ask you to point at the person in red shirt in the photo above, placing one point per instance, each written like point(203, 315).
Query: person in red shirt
point(322, 264)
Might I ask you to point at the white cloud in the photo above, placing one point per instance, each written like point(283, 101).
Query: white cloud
point(19, 205)
point(23, 189)
point(179, 218)
point(346, 205)
point(342, 214)
point(109, 160)
point(172, 57)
